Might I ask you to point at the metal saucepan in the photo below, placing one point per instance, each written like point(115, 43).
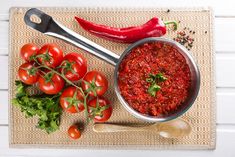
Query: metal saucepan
point(53, 28)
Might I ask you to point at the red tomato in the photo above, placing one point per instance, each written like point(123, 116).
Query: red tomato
point(28, 50)
point(74, 66)
point(101, 113)
point(52, 55)
point(50, 83)
point(28, 73)
point(95, 83)
point(72, 101)
point(74, 132)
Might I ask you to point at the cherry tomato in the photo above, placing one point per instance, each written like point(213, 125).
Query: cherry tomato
point(52, 55)
point(74, 132)
point(74, 66)
point(95, 83)
point(101, 113)
point(71, 100)
point(28, 50)
point(28, 73)
point(50, 83)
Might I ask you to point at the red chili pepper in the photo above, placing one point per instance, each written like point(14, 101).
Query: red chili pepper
point(155, 27)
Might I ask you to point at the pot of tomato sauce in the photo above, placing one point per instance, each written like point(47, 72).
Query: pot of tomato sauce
point(174, 95)
point(155, 79)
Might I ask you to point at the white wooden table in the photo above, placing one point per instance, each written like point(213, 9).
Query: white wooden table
point(225, 73)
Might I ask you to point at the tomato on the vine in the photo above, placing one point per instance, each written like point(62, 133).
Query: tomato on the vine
point(50, 55)
point(28, 73)
point(74, 132)
point(28, 51)
point(94, 83)
point(50, 83)
point(100, 109)
point(71, 100)
point(74, 66)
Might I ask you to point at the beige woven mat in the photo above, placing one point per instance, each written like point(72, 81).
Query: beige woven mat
point(202, 115)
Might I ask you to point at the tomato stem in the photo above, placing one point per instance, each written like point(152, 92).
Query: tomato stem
point(69, 82)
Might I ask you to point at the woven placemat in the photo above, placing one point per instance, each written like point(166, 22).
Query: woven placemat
point(201, 115)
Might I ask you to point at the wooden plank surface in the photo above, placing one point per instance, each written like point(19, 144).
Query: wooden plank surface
point(224, 34)
point(225, 76)
point(4, 37)
point(4, 72)
point(225, 65)
point(225, 106)
point(3, 107)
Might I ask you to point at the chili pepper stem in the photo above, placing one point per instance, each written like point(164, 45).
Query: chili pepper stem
point(175, 24)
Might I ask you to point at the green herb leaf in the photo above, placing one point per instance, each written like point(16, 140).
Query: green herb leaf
point(149, 79)
point(46, 107)
point(160, 78)
point(153, 89)
point(153, 80)
point(20, 89)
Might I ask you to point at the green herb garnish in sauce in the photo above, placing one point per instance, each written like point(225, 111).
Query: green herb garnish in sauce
point(154, 80)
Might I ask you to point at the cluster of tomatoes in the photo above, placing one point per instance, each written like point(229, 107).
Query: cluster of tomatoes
point(53, 73)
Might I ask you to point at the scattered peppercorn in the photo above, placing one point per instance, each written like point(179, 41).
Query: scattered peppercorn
point(168, 10)
point(184, 38)
point(205, 32)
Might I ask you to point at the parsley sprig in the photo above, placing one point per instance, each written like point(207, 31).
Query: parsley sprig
point(46, 107)
point(154, 80)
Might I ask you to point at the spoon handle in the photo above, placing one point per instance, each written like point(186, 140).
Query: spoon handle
point(115, 128)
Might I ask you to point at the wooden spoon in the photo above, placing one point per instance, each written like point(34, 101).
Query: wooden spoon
point(172, 129)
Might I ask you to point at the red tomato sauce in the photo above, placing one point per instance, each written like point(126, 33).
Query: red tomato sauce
point(154, 58)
